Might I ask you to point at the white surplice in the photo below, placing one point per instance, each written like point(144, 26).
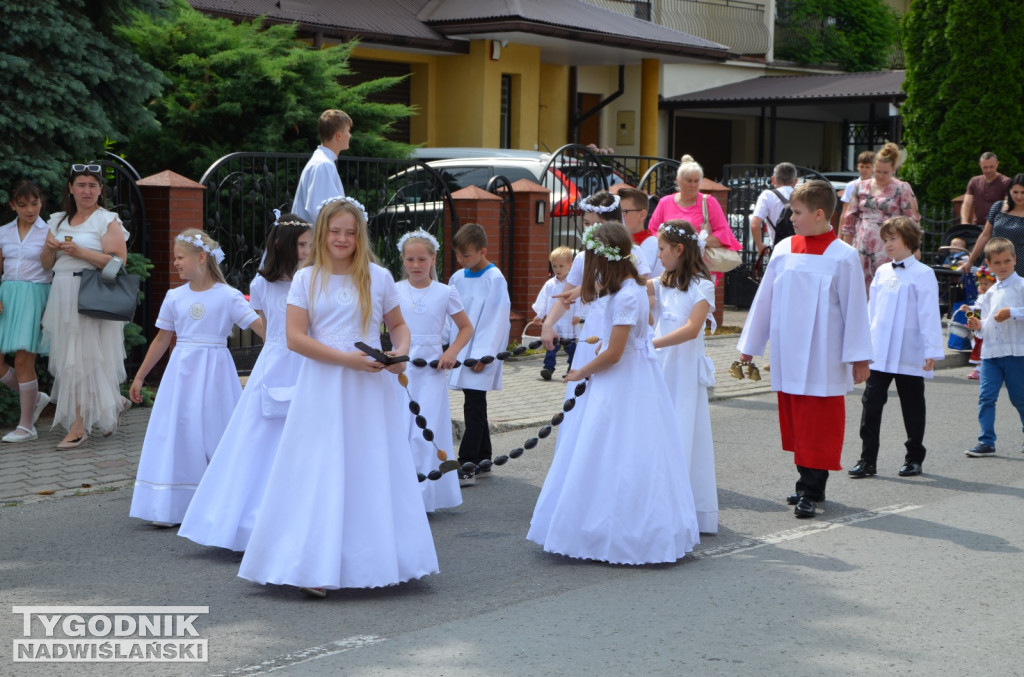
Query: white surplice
point(485, 297)
point(812, 308)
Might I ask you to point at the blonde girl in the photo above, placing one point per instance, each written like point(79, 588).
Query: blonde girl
point(342, 507)
point(199, 388)
point(426, 305)
point(684, 300)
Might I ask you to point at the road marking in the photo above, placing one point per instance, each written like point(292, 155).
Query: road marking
point(815, 527)
point(311, 654)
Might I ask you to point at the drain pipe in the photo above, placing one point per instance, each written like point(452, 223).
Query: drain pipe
point(577, 119)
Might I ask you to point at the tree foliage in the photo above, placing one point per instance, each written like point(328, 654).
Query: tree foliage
point(963, 93)
point(857, 35)
point(246, 87)
point(69, 84)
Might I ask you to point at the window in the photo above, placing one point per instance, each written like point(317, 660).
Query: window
point(505, 133)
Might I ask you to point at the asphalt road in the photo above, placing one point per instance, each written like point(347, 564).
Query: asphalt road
point(916, 576)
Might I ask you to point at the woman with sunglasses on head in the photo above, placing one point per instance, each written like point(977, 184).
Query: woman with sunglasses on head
point(86, 354)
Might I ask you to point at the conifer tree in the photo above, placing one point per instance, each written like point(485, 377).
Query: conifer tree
point(68, 84)
point(963, 92)
point(246, 87)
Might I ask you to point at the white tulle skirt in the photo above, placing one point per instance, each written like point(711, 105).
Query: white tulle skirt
point(86, 359)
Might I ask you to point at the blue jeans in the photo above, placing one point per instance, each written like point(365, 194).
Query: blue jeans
point(994, 372)
point(549, 356)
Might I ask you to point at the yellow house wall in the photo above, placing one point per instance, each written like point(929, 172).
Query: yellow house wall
point(553, 117)
point(458, 97)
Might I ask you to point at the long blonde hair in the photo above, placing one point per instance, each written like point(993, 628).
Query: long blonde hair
point(187, 241)
point(320, 259)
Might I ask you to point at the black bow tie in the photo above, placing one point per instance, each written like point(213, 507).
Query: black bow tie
point(901, 264)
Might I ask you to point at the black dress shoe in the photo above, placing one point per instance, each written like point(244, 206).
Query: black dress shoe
point(910, 468)
point(794, 498)
point(862, 469)
point(805, 507)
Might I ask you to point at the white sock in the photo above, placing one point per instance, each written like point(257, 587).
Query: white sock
point(9, 379)
point(29, 393)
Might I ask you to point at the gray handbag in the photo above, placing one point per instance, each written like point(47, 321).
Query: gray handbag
point(106, 294)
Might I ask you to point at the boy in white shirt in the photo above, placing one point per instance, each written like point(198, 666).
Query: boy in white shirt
point(319, 180)
point(906, 339)
point(1002, 353)
point(561, 261)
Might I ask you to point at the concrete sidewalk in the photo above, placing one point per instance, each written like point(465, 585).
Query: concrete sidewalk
point(37, 471)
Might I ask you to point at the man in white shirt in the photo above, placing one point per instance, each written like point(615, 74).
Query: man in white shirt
point(320, 180)
point(770, 204)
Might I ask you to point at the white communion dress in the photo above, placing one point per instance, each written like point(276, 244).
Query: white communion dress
point(194, 402)
point(224, 507)
point(425, 312)
point(342, 507)
point(688, 373)
point(621, 494)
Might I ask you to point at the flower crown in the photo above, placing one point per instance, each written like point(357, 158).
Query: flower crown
point(279, 222)
point(585, 206)
point(598, 247)
point(420, 234)
point(197, 242)
point(345, 198)
point(701, 237)
point(983, 273)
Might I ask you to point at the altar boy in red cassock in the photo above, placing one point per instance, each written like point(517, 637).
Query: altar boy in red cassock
point(812, 307)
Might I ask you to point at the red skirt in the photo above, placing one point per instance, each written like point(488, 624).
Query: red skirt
point(813, 429)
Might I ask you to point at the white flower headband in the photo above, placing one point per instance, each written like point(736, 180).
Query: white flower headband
point(279, 222)
point(197, 242)
point(585, 206)
point(700, 237)
point(598, 247)
point(421, 234)
point(345, 198)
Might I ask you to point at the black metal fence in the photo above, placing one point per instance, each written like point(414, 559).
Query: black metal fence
point(243, 189)
point(500, 186)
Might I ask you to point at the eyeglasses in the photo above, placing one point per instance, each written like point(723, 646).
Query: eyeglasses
point(95, 169)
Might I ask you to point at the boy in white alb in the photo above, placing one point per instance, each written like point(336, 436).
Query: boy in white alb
point(1002, 353)
point(811, 305)
point(906, 337)
point(484, 294)
point(561, 261)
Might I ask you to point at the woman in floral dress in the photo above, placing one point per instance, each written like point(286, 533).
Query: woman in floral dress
point(873, 201)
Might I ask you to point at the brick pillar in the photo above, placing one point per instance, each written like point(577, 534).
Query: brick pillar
point(531, 244)
point(173, 203)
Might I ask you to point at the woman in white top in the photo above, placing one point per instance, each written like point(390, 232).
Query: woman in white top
point(86, 354)
point(22, 299)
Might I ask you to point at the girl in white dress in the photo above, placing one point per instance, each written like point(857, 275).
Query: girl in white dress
point(620, 494)
point(684, 300)
point(199, 387)
point(342, 507)
point(224, 507)
point(22, 300)
point(426, 305)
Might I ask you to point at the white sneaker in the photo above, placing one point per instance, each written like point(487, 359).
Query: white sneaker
point(21, 434)
point(467, 481)
point(42, 399)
